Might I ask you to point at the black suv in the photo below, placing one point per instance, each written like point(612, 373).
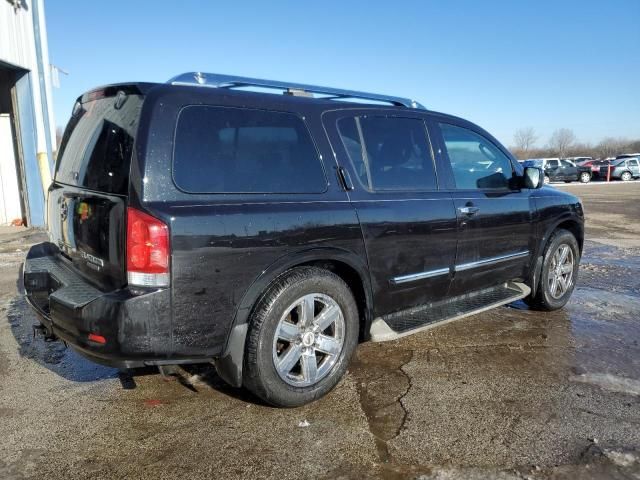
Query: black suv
point(198, 221)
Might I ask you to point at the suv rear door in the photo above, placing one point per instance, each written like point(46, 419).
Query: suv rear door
point(87, 199)
point(569, 170)
point(495, 216)
point(408, 225)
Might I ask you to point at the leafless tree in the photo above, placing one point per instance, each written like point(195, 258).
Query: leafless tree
point(611, 146)
point(561, 141)
point(524, 139)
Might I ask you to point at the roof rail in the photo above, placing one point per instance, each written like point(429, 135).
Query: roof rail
point(216, 80)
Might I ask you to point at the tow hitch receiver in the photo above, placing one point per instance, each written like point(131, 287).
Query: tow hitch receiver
point(47, 334)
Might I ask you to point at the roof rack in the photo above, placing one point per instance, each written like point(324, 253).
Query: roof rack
point(216, 80)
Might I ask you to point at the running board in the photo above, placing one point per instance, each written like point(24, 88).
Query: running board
point(408, 322)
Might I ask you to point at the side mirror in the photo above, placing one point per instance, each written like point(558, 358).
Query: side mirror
point(533, 177)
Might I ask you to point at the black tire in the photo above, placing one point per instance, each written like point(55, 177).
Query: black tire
point(585, 177)
point(543, 299)
point(260, 375)
point(626, 176)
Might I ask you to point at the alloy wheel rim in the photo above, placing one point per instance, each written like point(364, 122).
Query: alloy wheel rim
point(585, 177)
point(308, 340)
point(560, 278)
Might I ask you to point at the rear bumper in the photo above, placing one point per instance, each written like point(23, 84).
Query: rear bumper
point(136, 324)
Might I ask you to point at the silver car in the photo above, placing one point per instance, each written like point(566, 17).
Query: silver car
point(622, 168)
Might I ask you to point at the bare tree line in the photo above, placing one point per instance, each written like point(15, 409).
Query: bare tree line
point(563, 143)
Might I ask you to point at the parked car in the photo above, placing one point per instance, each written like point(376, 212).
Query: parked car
point(595, 165)
point(625, 168)
point(628, 155)
point(579, 160)
point(270, 233)
point(556, 170)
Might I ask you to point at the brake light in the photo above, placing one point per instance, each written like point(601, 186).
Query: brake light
point(147, 250)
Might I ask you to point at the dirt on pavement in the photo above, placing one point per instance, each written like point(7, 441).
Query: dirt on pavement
point(507, 394)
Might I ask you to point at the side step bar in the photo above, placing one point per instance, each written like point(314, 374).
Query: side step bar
point(408, 322)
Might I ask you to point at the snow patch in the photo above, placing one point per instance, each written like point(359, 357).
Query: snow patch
point(610, 382)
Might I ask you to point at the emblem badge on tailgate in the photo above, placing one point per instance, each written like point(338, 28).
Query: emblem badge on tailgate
point(91, 259)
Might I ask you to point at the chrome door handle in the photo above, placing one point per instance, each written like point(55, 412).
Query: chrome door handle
point(468, 210)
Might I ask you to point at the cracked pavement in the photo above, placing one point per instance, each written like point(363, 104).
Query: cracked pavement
point(506, 394)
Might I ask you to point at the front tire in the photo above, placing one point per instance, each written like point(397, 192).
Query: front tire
point(559, 272)
point(302, 334)
point(585, 177)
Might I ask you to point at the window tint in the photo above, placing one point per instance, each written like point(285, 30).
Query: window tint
point(567, 163)
point(633, 163)
point(96, 148)
point(553, 163)
point(476, 162)
point(235, 150)
point(389, 153)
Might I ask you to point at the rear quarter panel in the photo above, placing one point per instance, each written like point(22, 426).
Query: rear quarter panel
point(223, 244)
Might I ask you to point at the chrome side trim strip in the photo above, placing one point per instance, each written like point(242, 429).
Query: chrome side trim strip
point(490, 261)
point(419, 276)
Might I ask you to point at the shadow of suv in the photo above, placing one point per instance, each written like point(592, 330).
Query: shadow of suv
point(271, 233)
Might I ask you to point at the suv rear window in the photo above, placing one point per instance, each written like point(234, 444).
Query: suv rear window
point(238, 150)
point(98, 142)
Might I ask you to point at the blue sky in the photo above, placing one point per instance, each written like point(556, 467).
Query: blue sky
point(501, 64)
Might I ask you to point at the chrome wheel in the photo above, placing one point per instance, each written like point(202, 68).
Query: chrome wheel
point(561, 271)
point(626, 176)
point(308, 339)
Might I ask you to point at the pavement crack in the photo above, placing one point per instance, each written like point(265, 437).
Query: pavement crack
point(382, 385)
point(401, 398)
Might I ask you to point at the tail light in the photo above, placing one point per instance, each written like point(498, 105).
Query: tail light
point(147, 250)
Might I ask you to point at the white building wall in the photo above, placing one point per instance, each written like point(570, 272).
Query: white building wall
point(18, 49)
point(17, 46)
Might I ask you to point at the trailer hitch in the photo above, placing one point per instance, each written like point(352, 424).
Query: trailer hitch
point(47, 333)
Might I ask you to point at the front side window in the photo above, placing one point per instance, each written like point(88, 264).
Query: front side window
point(476, 162)
point(389, 153)
point(553, 163)
point(567, 164)
point(237, 150)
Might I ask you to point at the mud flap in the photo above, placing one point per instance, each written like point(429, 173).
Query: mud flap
point(535, 277)
point(229, 365)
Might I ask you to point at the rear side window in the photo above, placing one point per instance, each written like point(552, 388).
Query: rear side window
point(476, 162)
point(98, 143)
point(389, 153)
point(236, 150)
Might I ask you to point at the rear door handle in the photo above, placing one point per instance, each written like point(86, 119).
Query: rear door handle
point(468, 210)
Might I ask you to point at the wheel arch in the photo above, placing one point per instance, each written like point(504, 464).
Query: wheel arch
point(347, 265)
point(569, 223)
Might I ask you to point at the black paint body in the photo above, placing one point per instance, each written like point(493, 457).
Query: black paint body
point(226, 248)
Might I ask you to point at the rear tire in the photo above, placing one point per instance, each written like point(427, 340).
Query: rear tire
point(559, 272)
point(301, 337)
